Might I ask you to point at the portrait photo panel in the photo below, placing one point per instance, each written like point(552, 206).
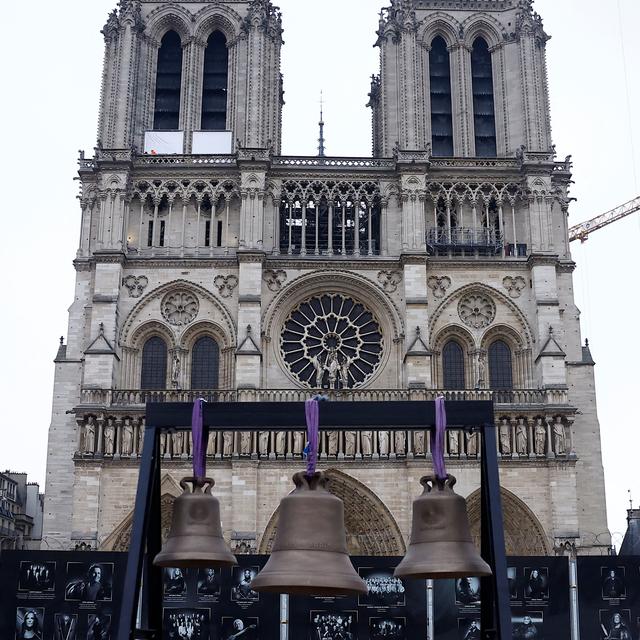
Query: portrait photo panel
point(30, 623)
point(65, 626)
point(98, 626)
point(89, 581)
point(383, 590)
point(182, 623)
point(236, 627)
point(37, 577)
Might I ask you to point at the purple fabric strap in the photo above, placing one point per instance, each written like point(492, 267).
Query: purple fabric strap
point(312, 413)
point(437, 440)
point(199, 460)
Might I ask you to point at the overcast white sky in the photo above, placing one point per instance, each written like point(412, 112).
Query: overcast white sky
point(51, 61)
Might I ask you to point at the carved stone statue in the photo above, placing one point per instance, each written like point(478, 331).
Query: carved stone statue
point(109, 438)
point(281, 443)
point(245, 443)
point(540, 437)
point(177, 443)
point(212, 443)
point(505, 438)
point(163, 443)
point(481, 371)
point(332, 365)
point(367, 443)
point(89, 438)
point(332, 443)
point(140, 425)
point(298, 442)
point(176, 368)
point(383, 443)
point(344, 372)
point(263, 443)
point(319, 369)
point(522, 438)
point(350, 443)
point(418, 443)
point(126, 448)
point(472, 443)
point(559, 437)
point(227, 443)
point(454, 442)
point(400, 442)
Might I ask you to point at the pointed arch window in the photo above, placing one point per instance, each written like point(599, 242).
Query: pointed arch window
point(500, 366)
point(214, 84)
point(205, 364)
point(166, 113)
point(154, 364)
point(453, 366)
point(440, 88)
point(483, 100)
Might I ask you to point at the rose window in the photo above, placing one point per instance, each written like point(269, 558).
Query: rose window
point(180, 308)
point(477, 311)
point(332, 342)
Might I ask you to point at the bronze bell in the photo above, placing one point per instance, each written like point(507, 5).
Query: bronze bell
point(441, 545)
point(195, 539)
point(310, 554)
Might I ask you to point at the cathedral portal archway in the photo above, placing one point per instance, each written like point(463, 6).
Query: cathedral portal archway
point(523, 533)
point(371, 529)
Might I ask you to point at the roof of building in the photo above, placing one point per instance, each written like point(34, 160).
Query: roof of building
point(631, 543)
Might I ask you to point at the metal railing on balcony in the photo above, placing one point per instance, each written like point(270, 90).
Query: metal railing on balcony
point(480, 239)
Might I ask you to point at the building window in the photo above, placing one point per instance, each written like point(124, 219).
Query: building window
point(441, 111)
point(166, 114)
point(154, 364)
point(205, 363)
point(214, 85)
point(453, 366)
point(483, 100)
point(500, 366)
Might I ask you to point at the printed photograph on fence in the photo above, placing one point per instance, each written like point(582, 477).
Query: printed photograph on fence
point(209, 583)
point(65, 626)
point(615, 624)
point(512, 579)
point(468, 591)
point(174, 582)
point(98, 627)
point(387, 629)
point(383, 590)
point(241, 590)
point(89, 582)
point(186, 624)
point(334, 625)
point(536, 586)
point(29, 623)
point(37, 576)
point(528, 626)
point(613, 583)
point(235, 628)
point(469, 628)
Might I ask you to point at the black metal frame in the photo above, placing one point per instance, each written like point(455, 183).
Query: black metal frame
point(143, 581)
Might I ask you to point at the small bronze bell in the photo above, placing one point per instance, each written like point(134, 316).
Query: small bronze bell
point(310, 554)
point(441, 544)
point(195, 539)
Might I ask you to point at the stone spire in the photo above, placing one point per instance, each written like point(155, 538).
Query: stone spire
point(631, 543)
point(321, 153)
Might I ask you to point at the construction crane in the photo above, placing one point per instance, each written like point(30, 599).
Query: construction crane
point(581, 231)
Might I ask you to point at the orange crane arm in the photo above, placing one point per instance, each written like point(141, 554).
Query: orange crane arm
point(581, 231)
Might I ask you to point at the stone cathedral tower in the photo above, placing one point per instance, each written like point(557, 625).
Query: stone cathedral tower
point(210, 264)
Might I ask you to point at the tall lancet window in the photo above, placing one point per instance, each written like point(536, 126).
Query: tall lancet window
point(483, 101)
point(154, 364)
point(214, 84)
point(166, 114)
point(441, 112)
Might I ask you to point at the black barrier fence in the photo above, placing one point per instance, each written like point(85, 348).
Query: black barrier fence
point(48, 595)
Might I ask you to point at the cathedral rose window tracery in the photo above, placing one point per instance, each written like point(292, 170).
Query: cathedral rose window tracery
point(180, 308)
point(332, 341)
point(477, 311)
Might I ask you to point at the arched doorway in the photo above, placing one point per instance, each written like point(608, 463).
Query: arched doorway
point(523, 533)
point(371, 529)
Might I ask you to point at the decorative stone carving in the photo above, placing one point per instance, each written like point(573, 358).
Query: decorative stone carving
point(177, 443)
point(89, 437)
point(176, 368)
point(298, 442)
point(274, 279)
point(383, 443)
point(559, 438)
point(481, 369)
point(540, 436)
point(505, 438)
point(367, 443)
point(454, 442)
point(418, 443)
point(109, 438)
point(179, 308)
point(522, 439)
point(227, 443)
point(331, 341)
point(212, 443)
point(477, 310)
point(332, 443)
point(127, 438)
point(245, 443)
point(263, 443)
point(439, 285)
point(281, 443)
point(135, 285)
point(514, 285)
point(226, 285)
point(472, 443)
point(390, 280)
point(350, 443)
point(163, 444)
point(400, 442)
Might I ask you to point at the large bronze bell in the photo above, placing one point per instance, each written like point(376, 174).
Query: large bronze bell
point(195, 539)
point(441, 545)
point(309, 554)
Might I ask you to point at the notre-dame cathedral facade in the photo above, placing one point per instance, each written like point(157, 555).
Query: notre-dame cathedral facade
point(212, 265)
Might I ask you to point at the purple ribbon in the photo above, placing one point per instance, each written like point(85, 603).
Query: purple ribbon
point(312, 414)
point(437, 440)
point(199, 449)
